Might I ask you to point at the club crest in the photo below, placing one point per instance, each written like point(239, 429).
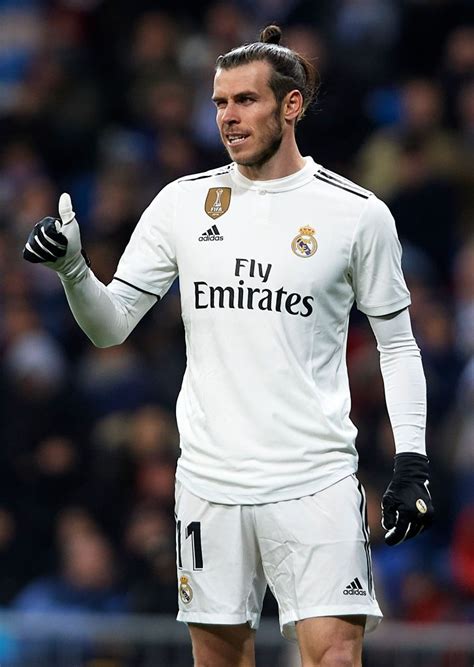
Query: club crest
point(217, 202)
point(304, 244)
point(185, 590)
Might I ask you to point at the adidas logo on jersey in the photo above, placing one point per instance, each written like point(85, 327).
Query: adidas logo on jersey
point(354, 588)
point(212, 234)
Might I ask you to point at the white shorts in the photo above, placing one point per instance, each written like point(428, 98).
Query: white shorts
point(313, 552)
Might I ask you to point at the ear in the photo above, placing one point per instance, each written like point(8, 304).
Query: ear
point(292, 105)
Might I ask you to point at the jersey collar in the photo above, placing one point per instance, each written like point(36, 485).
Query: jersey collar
point(296, 180)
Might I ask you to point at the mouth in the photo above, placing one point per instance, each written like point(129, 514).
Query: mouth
point(236, 139)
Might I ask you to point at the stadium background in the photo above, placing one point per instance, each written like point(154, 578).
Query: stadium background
point(109, 100)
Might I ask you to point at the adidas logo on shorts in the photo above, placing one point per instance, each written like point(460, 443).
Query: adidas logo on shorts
point(212, 234)
point(354, 588)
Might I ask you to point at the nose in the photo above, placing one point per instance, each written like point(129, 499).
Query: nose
point(230, 114)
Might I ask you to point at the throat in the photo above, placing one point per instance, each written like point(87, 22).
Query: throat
point(271, 169)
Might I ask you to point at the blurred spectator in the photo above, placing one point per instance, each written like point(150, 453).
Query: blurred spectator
point(15, 565)
point(114, 213)
point(463, 271)
point(19, 164)
point(113, 379)
point(133, 459)
point(462, 552)
point(335, 126)
point(424, 601)
point(365, 32)
point(226, 25)
point(464, 111)
point(458, 65)
point(34, 369)
point(73, 520)
point(421, 119)
point(154, 48)
point(461, 432)
point(437, 19)
point(422, 204)
point(149, 543)
point(21, 30)
point(55, 78)
point(442, 362)
point(88, 580)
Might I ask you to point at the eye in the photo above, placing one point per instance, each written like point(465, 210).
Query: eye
point(246, 100)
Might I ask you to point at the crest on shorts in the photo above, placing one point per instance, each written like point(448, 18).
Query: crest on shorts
point(185, 590)
point(217, 202)
point(304, 244)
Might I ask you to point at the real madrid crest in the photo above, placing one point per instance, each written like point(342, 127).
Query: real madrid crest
point(304, 244)
point(217, 202)
point(185, 590)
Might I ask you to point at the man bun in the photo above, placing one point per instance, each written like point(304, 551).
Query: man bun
point(271, 35)
point(289, 69)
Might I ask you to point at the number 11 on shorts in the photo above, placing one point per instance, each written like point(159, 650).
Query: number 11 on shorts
point(193, 530)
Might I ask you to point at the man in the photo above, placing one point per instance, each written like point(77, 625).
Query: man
point(271, 250)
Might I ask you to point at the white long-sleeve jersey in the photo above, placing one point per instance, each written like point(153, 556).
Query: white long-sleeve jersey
point(268, 271)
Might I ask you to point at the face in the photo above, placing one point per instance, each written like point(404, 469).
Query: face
point(248, 116)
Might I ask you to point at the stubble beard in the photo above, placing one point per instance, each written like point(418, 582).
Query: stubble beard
point(271, 146)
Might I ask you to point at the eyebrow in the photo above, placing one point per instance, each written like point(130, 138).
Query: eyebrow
point(244, 93)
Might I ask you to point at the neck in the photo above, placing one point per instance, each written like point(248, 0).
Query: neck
point(286, 161)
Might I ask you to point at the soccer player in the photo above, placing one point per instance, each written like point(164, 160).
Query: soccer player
point(272, 250)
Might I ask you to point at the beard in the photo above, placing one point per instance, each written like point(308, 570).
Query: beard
point(271, 143)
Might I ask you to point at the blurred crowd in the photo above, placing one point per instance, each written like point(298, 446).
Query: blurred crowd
point(110, 100)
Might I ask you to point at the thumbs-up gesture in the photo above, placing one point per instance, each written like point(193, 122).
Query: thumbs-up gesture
point(57, 243)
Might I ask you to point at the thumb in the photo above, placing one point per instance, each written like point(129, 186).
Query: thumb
point(66, 213)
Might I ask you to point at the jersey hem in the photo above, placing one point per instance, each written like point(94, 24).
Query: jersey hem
point(385, 310)
point(290, 493)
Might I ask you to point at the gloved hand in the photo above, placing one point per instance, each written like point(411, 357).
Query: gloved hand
point(406, 504)
point(57, 243)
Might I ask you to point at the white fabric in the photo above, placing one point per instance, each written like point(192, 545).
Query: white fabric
point(106, 314)
point(404, 380)
point(263, 412)
point(73, 265)
point(315, 565)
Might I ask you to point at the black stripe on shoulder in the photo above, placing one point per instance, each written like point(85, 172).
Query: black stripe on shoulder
point(139, 289)
point(342, 187)
point(342, 181)
point(198, 178)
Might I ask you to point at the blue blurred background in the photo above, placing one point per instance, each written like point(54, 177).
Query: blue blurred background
point(110, 100)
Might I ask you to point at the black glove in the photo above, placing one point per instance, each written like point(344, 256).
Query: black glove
point(406, 504)
point(56, 243)
point(45, 243)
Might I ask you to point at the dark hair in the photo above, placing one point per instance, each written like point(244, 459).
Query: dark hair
point(290, 70)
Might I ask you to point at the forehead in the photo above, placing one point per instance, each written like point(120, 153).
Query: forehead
point(251, 76)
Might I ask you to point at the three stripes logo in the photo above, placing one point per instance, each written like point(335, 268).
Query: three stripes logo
point(212, 234)
point(354, 588)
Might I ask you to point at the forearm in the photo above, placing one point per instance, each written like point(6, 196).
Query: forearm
point(106, 314)
point(404, 381)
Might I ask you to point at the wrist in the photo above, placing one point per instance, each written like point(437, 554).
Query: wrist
point(73, 269)
point(410, 456)
point(411, 466)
